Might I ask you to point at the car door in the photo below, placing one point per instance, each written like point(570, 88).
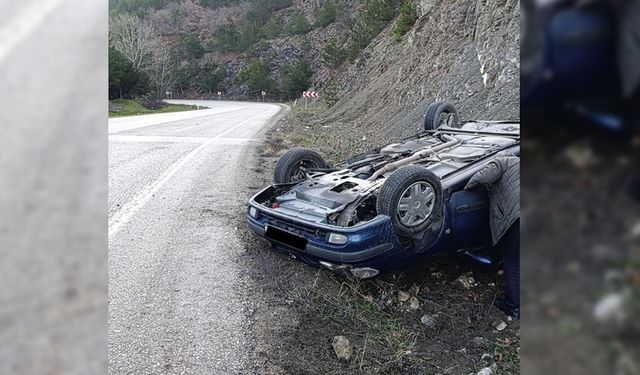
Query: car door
point(469, 212)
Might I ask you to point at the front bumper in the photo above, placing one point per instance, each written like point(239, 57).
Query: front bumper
point(373, 244)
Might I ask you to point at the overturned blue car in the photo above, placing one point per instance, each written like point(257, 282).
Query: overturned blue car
point(385, 210)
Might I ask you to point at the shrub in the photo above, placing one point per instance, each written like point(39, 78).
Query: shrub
point(327, 13)
point(257, 77)
point(151, 102)
point(271, 29)
point(214, 4)
point(406, 19)
point(299, 24)
point(374, 16)
point(210, 76)
point(333, 54)
point(305, 44)
point(331, 92)
point(192, 47)
point(296, 78)
point(228, 37)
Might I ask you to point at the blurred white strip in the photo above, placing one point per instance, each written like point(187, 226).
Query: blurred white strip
point(24, 22)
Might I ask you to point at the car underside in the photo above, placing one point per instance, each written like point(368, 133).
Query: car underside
point(375, 208)
point(346, 195)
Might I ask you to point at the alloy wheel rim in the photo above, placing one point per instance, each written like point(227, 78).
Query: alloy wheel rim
point(416, 204)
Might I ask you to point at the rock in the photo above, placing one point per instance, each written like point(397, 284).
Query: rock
point(614, 277)
point(604, 252)
point(466, 281)
point(403, 296)
point(342, 347)
point(424, 6)
point(581, 156)
point(480, 342)
point(414, 304)
point(499, 325)
point(428, 321)
point(613, 309)
point(486, 358)
point(485, 371)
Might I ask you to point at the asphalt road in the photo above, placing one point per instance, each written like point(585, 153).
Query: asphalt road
point(178, 301)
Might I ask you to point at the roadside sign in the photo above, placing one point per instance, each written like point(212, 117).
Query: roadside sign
point(219, 94)
point(310, 94)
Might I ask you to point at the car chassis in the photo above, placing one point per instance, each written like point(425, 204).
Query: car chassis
point(383, 210)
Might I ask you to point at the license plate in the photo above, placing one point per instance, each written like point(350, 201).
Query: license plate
point(286, 238)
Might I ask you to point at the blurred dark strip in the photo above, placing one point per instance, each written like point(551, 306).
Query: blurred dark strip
point(580, 187)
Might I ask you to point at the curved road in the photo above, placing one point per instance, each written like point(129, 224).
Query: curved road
point(177, 296)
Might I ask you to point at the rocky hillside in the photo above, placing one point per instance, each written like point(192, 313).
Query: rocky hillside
point(464, 50)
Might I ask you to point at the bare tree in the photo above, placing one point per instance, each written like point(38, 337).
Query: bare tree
point(162, 69)
point(134, 38)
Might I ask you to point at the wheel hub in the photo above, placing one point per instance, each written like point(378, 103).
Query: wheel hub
point(416, 204)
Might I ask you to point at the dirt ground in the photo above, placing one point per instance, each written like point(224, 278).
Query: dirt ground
point(305, 307)
point(580, 245)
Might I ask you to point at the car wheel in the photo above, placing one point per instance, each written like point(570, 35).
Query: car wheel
point(412, 198)
point(440, 113)
point(291, 166)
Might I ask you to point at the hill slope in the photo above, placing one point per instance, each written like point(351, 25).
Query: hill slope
point(466, 51)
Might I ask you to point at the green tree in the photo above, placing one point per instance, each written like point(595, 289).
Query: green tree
point(249, 35)
point(331, 92)
point(192, 47)
point(271, 29)
point(296, 78)
point(257, 77)
point(183, 75)
point(211, 76)
point(214, 4)
point(327, 13)
point(262, 10)
point(374, 16)
point(407, 17)
point(228, 37)
point(137, 7)
point(299, 24)
point(124, 80)
point(333, 54)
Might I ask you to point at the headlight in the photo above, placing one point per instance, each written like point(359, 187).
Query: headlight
point(253, 212)
point(338, 239)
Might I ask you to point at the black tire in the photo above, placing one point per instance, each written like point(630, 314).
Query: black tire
point(439, 113)
point(288, 166)
point(394, 189)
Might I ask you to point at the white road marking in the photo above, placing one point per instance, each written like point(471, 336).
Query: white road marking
point(178, 139)
point(129, 209)
point(21, 25)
